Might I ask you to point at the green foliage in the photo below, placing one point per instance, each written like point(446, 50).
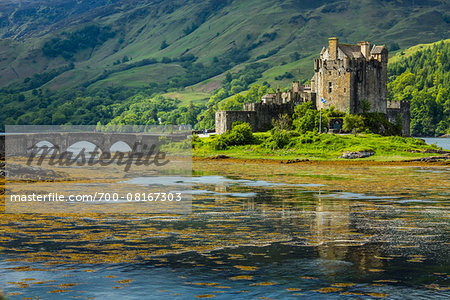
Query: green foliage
point(365, 106)
point(424, 79)
point(88, 37)
point(40, 79)
point(157, 110)
point(278, 139)
point(240, 134)
point(353, 123)
point(290, 144)
point(307, 118)
point(229, 44)
point(371, 123)
point(254, 94)
point(286, 75)
point(284, 122)
point(377, 123)
point(164, 45)
point(394, 46)
point(239, 81)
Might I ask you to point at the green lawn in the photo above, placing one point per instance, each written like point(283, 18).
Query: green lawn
point(321, 147)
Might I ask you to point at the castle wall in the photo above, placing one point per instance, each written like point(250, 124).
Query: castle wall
point(401, 109)
point(225, 119)
point(371, 85)
point(267, 112)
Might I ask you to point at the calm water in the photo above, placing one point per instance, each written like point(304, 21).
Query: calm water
point(440, 142)
point(245, 238)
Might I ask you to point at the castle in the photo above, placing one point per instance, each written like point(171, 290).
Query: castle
point(352, 78)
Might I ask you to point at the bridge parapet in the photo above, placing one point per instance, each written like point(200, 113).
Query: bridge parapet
point(22, 144)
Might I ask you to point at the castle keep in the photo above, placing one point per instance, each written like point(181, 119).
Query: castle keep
point(347, 75)
point(352, 78)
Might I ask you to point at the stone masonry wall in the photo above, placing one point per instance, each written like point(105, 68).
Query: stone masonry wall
point(401, 109)
point(258, 115)
point(225, 119)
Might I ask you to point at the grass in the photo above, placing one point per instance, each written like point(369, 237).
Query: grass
point(322, 147)
point(410, 51)
point(141, 76)
point(187, 96)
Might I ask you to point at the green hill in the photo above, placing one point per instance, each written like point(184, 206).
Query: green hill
point(96, 36)
point(422, 77)
point(84, 62)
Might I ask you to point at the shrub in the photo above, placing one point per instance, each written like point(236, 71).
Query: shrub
point(240, 134)
point(377, 123)
point(353, 122)
point(284, 122)
point(278, 139)
point(307, 118)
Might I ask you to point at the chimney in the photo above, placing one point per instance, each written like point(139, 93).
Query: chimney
point(365, 49)
point(295, 87)
point(333, 48)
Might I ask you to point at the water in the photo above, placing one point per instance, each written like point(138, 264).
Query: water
point(247, 238)
point(440, 142)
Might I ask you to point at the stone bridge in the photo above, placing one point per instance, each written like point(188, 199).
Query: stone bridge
point(23, 144)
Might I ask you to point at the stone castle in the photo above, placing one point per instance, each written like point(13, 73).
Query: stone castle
point(352, 78)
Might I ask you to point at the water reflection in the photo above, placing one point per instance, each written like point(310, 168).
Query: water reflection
point(245, 238)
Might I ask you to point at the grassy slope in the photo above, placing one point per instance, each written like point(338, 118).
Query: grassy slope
point(301, 27)
point(410, 51)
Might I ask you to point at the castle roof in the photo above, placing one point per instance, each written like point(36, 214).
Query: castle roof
point(378, 49)
point(352, 51)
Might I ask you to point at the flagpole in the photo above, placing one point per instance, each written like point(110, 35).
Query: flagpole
point(320, 122)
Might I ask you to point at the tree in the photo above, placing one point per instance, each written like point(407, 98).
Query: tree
point(284, 122)
point(164, 45)
point(353, 122)
point(306, 118)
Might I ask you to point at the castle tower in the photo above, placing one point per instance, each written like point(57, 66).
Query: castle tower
point(295, 87)
point(348, 76)
point(333, 48)
point(365, 49)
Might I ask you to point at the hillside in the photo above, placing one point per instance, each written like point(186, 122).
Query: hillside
point(422, 77)
point(43, 36)
point(89, 62)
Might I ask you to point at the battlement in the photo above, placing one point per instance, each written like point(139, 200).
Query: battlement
point(398, 104)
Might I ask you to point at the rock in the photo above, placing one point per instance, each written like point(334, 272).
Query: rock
point(430, 159)
point(220, 157)
point(357, 154)
point(293, 161)
point(14, 171)
point(429, 151)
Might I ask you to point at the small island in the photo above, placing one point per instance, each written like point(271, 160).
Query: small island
point(344, 114)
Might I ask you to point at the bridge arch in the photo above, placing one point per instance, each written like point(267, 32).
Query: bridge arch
point(38, 147)
point(120, 146)
point(87, 146)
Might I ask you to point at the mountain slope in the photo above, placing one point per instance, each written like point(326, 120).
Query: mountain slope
point(218, 34)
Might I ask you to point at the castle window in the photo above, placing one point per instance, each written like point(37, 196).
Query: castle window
point(330, 87)
point(345, 90)
point(329, 73)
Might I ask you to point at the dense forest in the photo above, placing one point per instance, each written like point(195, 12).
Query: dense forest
point(424, 79)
